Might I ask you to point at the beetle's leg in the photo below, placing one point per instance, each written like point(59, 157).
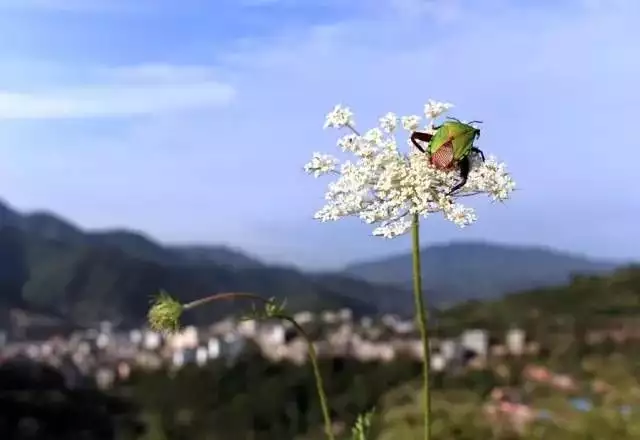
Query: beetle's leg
point(465, 168)
point(425, 137)
point(478, 151)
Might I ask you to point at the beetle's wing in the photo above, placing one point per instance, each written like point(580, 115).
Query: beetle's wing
point(439, 138)
point(463, 141)
point(443, 157)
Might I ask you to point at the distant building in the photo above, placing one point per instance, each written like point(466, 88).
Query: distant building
point(105, 377)
point(135, 336)
point(345, 314)
point(515, 341)
point(201, 356)
point(152, 340)
point(450, 349)
point(476, 341)
point(438, 362)
point(214, 348)
point(248, 327)
point(303, 317)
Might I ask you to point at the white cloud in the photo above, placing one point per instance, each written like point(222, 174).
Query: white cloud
point(126, 91)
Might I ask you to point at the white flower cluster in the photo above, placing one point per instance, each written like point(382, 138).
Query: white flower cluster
point(384, 186)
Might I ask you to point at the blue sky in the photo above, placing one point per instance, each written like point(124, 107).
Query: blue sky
point(192, 120)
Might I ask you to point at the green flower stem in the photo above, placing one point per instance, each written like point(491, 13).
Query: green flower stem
point(313, 357)
point(421, 317)
point(223, 296)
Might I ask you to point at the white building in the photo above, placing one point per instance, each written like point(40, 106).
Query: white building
point(190, 337)
point(248, 327)
point(274, 335)
point(103, 340)
point(201, 356)
point(178, 358)
point(438, 362)
point(330, 317)
point(449, 349)
point(151, 340)
point(214, 348)
point(515, 341)
point(303, 317)
point(366, 322)
point(105, 377)
point(345, 314)
point(135, 336)
point(476, 341)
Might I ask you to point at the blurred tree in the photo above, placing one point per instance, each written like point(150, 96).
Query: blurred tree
point(36, 404)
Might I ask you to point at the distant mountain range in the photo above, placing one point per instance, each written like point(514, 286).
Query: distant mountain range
point(50, 227)
point(51, 266)
point(476, 270)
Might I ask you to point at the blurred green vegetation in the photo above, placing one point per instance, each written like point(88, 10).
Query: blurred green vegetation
point(258, 400)
point(587, 302)
point(37, 404)
point(261, 400)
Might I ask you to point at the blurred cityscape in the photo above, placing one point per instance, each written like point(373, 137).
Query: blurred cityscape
point(107, 356)
point(106, 353)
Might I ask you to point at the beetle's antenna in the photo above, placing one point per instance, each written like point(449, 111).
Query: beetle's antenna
point(467, 123)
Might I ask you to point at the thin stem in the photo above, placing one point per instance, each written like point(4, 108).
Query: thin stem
point(223, 296)
point(313, 356)
point(421, 317)
point(458, 195)
point(354, 130)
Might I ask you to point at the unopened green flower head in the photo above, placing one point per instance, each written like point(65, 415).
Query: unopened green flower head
point(273, 308)
point(164, 314)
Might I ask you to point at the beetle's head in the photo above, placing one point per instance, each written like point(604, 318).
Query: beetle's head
point(476, 130)
point(466, 127)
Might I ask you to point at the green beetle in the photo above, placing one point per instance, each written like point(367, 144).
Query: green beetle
point(450, 146)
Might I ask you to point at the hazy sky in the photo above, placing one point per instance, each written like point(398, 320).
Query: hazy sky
point(192, 119)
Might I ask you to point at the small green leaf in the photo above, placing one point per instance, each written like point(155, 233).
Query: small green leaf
point(273, 308)
point(362, 426)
